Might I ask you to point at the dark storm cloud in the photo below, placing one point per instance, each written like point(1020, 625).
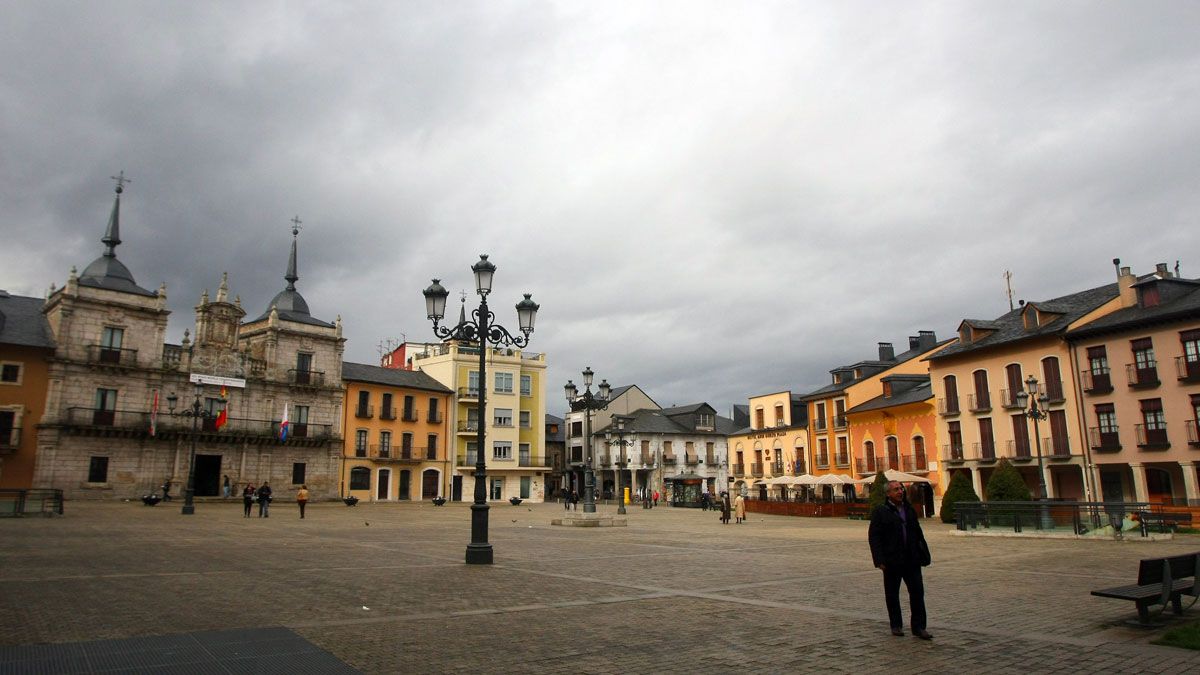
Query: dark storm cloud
point(710, 200)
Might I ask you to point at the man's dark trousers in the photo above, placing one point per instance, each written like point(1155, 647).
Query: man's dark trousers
point(910, 574)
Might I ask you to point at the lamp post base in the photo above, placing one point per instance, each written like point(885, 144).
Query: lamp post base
point(479, 554)
point(188, 510)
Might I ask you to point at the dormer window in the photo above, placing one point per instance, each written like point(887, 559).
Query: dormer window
point(705, 421)
point(887, 389)
point(1148, 296)
point(837, 378)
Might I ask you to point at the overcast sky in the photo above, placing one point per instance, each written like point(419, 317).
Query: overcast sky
point(712, 200)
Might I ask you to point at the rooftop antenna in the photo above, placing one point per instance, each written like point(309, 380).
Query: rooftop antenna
point(1008, 287)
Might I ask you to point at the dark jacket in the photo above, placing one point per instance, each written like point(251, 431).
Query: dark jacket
point(888, 545)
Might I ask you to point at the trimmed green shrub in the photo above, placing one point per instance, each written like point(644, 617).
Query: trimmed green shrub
point(959, 490)
point(1006, 484)
point(878, 491)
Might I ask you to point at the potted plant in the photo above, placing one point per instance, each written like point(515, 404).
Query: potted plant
point(350, 500)
point(515, 501)
point(438, 501)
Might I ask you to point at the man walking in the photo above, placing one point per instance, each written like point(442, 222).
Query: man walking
point(899, 550)
point(264, 500)
point(302, 499)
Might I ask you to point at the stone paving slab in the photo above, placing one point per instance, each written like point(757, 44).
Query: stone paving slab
point(383, 589)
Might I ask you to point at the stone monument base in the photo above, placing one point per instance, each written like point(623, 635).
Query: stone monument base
point(589, 520)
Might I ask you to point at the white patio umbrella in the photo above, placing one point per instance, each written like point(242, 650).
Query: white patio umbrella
point(892, 474)
point(806, 479)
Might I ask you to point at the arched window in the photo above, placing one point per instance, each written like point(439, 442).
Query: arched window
point(1054, 387)
point(893, 453)
point(360, 478)
point(949, 404)
point(869, 455)
point(918, 446)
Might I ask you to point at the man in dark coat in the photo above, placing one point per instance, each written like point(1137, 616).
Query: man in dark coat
point(898, 548)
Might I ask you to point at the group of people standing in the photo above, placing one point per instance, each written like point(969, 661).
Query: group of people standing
point(737, 508)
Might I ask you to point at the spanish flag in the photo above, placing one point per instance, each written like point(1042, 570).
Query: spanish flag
point(223, 416)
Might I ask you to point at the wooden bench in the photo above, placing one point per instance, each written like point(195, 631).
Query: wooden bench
point(1164, 520)
point(858, 511)
point(1160, 581)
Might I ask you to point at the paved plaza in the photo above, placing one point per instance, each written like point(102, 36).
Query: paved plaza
point(383, 589)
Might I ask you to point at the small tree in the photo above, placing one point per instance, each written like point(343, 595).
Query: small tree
point(1006, 484)
point(959, 490)
point(878, 491)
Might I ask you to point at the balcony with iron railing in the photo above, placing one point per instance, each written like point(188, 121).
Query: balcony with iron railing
point(691, 458)
point(948, 406)
point(1192, 437)
point(1056, 448)
point(647, 458)
point(1019, 451)
point(669, 459)
point(433, 417)
point(1102, 439)
point(364, 411)
point(467, 459)
point(172, 356)
point(306, 378)
point(1152, 437)
point(979, 401)
point(915, 463)
point(468, 393)
point(402, 453)
point(409, 415)
point(738, 469)
point(1097, 382)
point(1143, 376)
point(840, 422)
point(756, 470)
point(864, 465)
point(525, 459)
point(953, 452)
point(985, 451)
point(777, 468)
point(822, 460)
point(819, 424)
point(138, 422)
point(1187, 370)
point(468, 426)
point(843, 458)
point(888, 461)
point(10, 439)
point(1053, 389)
point(112, 356)
point(387, 413)
point(799, 468)
point(1008, 399)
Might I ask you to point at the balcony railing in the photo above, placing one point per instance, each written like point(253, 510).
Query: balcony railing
point(843, 459)
point(1019, 451)
point(468, 426)
point(433, 417)
point(710, 458)
point(668, 459)
point(1152, 438)
point(468, 393)
point(1056, 448)
point(306, 378)
point(691, 459)
point(467, 459)
point(777, 468)
point(864, 465)
point(822, 461)
point(979, 401)
point(647, 459)
point(1104, 440)
point(112, 356)
point(1054, 391)
point(985, 451)
point(387, 413)
point(888, 462)
point(819, 424)
point(1144, 376)
point(1192, 436)
point(1008, 399)
point(840, 421)
point(799, 468)
point(952, 452)
point(235, 427)
point(364, 411)
point(409, 415)
point(1096, 382)
point(916, 462)
point(10, 438)
point(739, 469)
point(756, 470)
point(1187, 370)
point(948, 406)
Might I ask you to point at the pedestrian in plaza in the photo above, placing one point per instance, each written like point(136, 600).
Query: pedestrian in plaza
point(899, 550)
point(575, 499)
point(264, 500)
point(739, 508)
point(166, 488)
point(248, 498)
point(302, 499)
point(226, 487)
point(656, 497)
point(726, 508)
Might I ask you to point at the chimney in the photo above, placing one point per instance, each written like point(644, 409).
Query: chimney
point(927, 339)
point(913, 342)
point(1125, 283)
point(886, 352)
point(1162, 271)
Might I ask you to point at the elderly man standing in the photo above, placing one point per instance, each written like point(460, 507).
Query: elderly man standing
point(899, 550)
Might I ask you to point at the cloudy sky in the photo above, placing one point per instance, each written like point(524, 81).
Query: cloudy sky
point(710, 199)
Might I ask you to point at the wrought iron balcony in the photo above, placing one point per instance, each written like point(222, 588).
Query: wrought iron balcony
point(948, 406)
point(756, 470)
point(1096, 382)
point(888, 461)
point(468, 393)
point(112, 356)
point(433, 417)
point(1152, 438)
point(1144, 376)
point(822, 461)
point(985, 451)
point(1008, 399)
point(465, 426)
point(1059, 448)
point(647, 459)
point(1054, 391)
point(1019, 450)
point(669, 459)
point(1187, 370)
point(388, 413)
point(799, 468)
point(843, 458)
point(364, 411)
point(1192, 436)
point(915, 463)
point(739, 469)
point(980, 401)
point(691, 459)
point(864, 465)
point(840, 421)
point(819, 424)
point(1102, 439)
point(777, 468)
point(410, 415)
point(953, 452)
point(306, 378)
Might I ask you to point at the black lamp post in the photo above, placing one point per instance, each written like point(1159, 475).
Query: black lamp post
point(1036, 411)
point(588, 402)
point(480, 328)
point(619, 462)
point(197, 412)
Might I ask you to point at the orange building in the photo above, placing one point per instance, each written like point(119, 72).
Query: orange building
point(26, 347)
point(397, 434)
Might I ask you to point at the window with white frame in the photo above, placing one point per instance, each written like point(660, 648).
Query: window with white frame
point(504, 383)
point(527, 385)
point(10, 372)
point(526, 420)
point(360, 443)
point(502, 450)
point(473, 382)
point(502, 417)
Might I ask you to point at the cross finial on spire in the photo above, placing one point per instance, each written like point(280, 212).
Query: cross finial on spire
point(121, 181)
point(296, 225)
point(291, 275)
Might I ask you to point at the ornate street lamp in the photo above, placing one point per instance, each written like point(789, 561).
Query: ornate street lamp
point(620, 421)
point(1036, 411)
point(588, 403)
point(480, 328)
point(197, 412)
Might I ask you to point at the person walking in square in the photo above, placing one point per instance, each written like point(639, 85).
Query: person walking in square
point(248, 498)
point(302, 499)
point(226, 487)
point(726, 508)
point(739, 508)
point(166, 488)
point(264, 500)
point(898, 549)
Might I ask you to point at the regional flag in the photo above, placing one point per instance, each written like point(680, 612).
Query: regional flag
point(154, 414)
point(283, 425)
point(223, 416)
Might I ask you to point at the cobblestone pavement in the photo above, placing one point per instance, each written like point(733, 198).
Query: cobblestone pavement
point(384, 589)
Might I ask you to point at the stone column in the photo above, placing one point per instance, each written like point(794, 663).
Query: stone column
point(1140, 491)
point(1189, 481)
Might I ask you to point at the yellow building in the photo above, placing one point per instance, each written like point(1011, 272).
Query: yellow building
point(26, 347)
point(398, 445)
point(774, 444)
point(514, 416)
